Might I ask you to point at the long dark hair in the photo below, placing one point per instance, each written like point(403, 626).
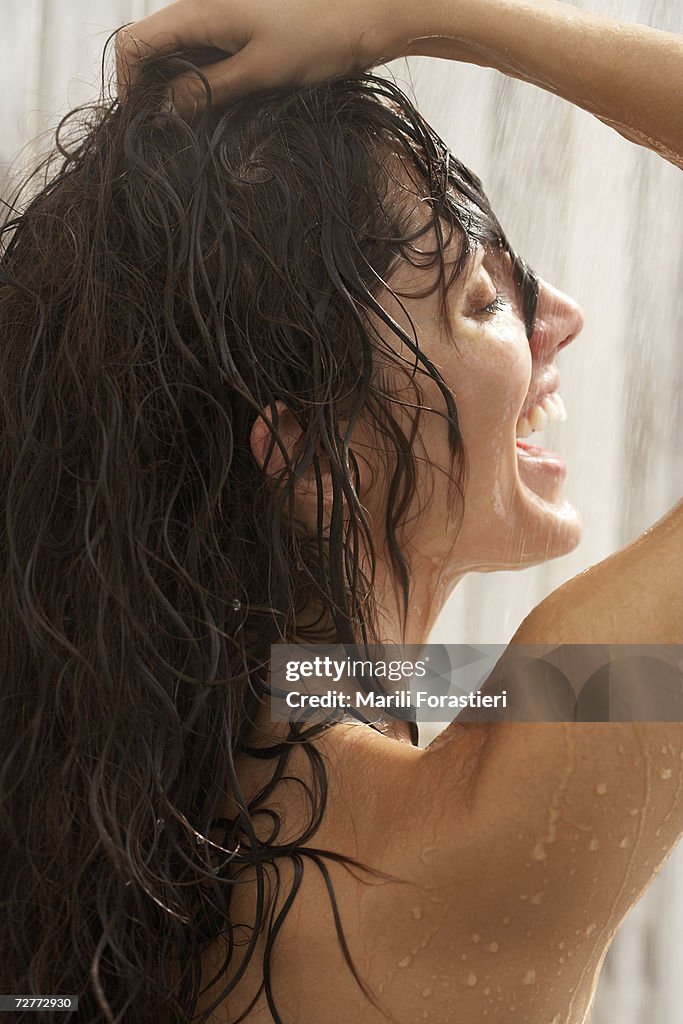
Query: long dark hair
point(162, 283)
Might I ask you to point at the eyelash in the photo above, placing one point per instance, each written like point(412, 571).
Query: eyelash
point(493, 307)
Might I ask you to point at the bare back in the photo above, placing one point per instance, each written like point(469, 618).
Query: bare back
point(479, 926)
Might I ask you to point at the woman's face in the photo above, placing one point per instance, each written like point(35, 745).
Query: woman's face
point(515, 512)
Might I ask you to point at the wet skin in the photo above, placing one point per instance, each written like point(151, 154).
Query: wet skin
point(512, 888)
point(515, 512)
point(517, 849)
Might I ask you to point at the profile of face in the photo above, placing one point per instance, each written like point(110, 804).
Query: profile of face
point(505, 386)
point(476, 359)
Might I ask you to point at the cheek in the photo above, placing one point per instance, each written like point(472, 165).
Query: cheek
point(490, 383)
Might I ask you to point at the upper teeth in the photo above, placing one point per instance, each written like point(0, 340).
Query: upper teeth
point(539, 416)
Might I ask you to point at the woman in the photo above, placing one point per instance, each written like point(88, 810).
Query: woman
point(263, 372)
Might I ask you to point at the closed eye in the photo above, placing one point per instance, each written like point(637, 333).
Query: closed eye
point(493, 307)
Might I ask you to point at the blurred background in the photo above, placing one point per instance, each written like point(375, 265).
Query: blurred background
point(595, 215)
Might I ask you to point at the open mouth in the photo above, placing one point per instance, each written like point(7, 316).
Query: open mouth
point(550, 409)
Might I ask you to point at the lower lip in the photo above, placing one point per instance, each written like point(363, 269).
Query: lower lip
point(541, 459)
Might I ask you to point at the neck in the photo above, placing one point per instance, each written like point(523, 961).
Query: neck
point(430, 587)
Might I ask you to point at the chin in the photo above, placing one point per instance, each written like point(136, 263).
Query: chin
point(532, 541)
point(538, 531)
point(546, 530)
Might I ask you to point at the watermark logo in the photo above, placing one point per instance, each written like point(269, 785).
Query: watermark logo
point(478, 683)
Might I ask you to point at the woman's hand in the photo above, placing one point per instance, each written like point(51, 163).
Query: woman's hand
point(605, 66)
point(290, 42)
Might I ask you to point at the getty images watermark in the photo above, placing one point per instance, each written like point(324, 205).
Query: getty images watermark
point(478, 683)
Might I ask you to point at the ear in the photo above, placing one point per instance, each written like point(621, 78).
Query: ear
point(278, 419)
point(275, 422)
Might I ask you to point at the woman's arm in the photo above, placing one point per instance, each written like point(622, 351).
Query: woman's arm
point(596, 804)
point(633, 597)
point(629, 76)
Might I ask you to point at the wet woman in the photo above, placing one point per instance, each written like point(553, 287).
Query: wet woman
point(264, 367)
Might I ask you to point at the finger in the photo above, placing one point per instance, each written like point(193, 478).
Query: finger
point(170, 29)
point(131, 51)
point(246, 71)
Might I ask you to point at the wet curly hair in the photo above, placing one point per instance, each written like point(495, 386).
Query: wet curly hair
point(161, 285)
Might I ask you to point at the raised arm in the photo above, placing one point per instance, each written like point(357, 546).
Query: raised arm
point(634, 596)
point(628, 75)
point(581, 814)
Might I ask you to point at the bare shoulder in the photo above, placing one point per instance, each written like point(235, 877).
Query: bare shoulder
point(595, 804)
point(508, 844)
point(495, 819)
point(405, 806)
point(567, 823)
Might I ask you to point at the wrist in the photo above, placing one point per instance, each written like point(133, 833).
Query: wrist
point(461, 30)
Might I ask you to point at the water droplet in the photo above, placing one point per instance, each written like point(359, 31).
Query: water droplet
point(199, 839)
point(506, 920)
point(594, 844)
point(475, 937)
point(426, 992)
point(539, 852)
point(523, 896)
point(160, 822)
point(665, 773)
point(624, 842)
point(493, 948)
point(560, 945)
point(405, 961)
point(236, 604)
point(487, 991)
point(530, 977)
point(590, 929)
point(471, 979)
point(572, 872)
point(601, 788)
point(463, 956)
point(633, 811)
point(536, 899)
point(417, 913)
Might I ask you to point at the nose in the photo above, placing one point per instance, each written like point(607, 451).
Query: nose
point(558, 320)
